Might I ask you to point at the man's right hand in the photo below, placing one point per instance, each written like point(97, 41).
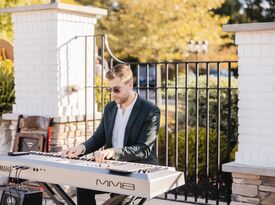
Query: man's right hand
point(73, 152)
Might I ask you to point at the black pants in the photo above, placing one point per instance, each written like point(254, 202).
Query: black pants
point(87, 196)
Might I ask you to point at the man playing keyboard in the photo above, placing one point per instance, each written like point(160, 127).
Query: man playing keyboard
point(128, 129)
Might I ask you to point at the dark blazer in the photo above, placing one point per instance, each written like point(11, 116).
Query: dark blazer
point(140, 133)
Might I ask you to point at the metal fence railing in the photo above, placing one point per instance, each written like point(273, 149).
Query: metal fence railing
point(198, 133)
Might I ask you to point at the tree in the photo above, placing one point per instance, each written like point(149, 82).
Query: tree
point(153, 30)
point(270, 11)
point(96, 3)
point(253, 10)
point(259, 10)
point(5, 20)
point(233, 9)
point(6, 30)
point(247, 11)
point(160, 29)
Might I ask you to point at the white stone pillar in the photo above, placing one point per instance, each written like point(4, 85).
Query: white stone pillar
point(253, 171)
point(256, 52)
point(48, 59)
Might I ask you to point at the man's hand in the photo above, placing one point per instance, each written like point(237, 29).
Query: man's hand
point(100, 156)
point(73, 152)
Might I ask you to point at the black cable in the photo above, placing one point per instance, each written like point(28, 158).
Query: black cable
point(16, 178)
point(19, 172)
point(10, 172)
point(19, 169)
point(16, 188)
point(9, 185)
point(11, 178)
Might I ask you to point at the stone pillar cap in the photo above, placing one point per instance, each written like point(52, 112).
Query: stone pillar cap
point(86, 10)
point(234, 167)
point(249, 27)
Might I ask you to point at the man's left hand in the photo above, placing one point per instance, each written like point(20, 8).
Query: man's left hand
point(101, 156)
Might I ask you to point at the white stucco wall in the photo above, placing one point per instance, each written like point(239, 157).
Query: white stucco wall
point(256, 52)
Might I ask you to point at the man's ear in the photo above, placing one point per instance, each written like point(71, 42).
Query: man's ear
point(131, 84)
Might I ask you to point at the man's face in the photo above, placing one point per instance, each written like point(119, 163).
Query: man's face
point(120, 89)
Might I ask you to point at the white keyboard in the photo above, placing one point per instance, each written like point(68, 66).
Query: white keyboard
point(127, 178)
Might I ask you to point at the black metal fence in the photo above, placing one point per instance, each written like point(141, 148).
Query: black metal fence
point(198, 133)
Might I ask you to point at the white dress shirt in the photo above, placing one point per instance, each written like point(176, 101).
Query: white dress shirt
point(121, 123)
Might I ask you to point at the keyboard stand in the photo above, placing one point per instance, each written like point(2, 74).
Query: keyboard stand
point(63, 194)
point(60, 191)
point(115, 200)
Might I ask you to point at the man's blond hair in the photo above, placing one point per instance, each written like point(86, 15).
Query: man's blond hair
point(121, 71)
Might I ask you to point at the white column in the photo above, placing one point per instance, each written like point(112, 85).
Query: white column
point(256, 52)
point(48, 59)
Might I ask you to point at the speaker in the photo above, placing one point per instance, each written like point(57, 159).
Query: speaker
point(12, 196)
point(29, 142)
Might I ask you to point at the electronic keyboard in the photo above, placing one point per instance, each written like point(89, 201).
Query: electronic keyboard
point(141, 180)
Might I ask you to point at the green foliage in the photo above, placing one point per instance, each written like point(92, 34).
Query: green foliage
point(247, 11)
point(106, 95)
point(159, 30)
point(234, 150)
point(96, 3)
point(148, 30)
point(253, 11)
point(213, 105)
point(270, 11)
point(231, 8)
point(191, 149)
point(6, 29)
point(5, 20)
point(7, 93)
point(202, 120)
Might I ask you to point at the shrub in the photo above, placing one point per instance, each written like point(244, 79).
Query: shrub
point(191, 149)
point(7, 93)
point(106, 95)
point(224, 106)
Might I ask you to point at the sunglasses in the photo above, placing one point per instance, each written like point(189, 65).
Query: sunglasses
point(116, 89)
